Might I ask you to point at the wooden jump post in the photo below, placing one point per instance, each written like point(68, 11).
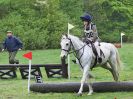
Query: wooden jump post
point(64, 68)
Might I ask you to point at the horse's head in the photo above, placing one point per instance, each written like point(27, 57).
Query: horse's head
point(65, 46)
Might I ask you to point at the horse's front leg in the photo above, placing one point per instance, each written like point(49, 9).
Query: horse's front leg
point(85, 74)
point(89, 85)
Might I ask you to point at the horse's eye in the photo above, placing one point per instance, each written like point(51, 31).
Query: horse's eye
point(67, 44)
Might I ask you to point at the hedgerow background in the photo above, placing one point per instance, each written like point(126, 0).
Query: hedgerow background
point(40, 26)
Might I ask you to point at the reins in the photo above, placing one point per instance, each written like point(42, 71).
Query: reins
point(75, 52)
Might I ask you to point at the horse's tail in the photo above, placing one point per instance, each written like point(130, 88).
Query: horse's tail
point(118, 59)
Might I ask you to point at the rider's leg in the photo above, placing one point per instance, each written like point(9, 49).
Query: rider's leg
point(97, 46)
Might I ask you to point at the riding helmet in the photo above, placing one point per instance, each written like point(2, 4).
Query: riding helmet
point(86, 17)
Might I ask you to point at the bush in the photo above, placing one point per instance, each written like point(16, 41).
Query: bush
point(41, 26)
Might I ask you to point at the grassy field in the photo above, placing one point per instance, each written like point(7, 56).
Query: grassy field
point(17, 88)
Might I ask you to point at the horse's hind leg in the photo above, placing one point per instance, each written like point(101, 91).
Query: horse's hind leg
point(108, 67)
point(113, 64)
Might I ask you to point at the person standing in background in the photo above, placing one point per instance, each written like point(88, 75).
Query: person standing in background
point(12, 44)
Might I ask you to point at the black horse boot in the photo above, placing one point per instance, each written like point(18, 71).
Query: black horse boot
point(74, 61)
point(99, 59)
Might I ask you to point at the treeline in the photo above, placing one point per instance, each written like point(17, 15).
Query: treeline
point(112, 18)
point(40, 25)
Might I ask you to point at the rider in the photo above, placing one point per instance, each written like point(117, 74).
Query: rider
point(91, 34)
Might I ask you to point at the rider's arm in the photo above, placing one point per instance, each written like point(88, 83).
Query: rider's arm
point(95, 34)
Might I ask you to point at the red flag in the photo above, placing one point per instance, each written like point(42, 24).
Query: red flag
point(28, 55)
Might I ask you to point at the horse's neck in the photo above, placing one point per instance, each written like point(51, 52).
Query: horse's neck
point(80, 47)
point(77, 44)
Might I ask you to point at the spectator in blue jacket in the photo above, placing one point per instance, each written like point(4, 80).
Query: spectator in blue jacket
point(12, 44)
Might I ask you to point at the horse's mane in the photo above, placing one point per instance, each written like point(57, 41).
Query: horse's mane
point(74, 37)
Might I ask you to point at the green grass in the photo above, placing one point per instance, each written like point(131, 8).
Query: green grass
point(17, 88)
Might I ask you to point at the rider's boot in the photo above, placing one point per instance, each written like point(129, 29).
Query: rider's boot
point(99, 59)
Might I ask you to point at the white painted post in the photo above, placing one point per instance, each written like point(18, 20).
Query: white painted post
point(29, 76)
point(122, 34)
point(70, 26)
point(69, 75)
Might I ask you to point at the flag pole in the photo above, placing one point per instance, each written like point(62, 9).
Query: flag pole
point(122, 34)
point(121, 40)
point(70, 26)
point(29, 57)
point(29, 76)
point(69, 75)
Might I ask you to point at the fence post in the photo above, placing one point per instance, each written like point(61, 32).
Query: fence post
point(64, 68)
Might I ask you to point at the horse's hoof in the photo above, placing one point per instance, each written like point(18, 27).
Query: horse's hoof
point(79, 94)
point(89, 94)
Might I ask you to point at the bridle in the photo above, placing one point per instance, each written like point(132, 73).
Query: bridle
point(75, 52)
point(71, 44)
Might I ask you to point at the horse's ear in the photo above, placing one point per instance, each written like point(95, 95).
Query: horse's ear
point(66, 35)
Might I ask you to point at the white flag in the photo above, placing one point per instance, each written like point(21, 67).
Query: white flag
point(122, 34)
point(70, 26)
